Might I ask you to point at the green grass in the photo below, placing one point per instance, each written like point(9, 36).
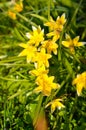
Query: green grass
point(17, 100)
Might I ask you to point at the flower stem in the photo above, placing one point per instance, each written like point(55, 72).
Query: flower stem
point(5, 112)
point(49, 3)
point(38, 109)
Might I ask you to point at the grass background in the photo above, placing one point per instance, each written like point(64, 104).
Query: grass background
point(16, 99)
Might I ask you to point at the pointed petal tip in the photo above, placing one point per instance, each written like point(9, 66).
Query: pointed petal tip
point(34, 28)
point(28, 35)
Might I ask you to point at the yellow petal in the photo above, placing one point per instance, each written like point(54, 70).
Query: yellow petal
point(12, 15)
point(23, 53)
point(79, 88)
point(29, 58)
point(76, 39)
point(47, 91)
point(50, 23)
point(52, 108)
point(23, 45)
point(39, 71)
point(79, 44)
point(18, 7)
point(67, 37)
point(38, 89)
point(55, 52)
point(50, 34)
point(63, 18)
point(56, 37)
point(56, 104)
point(66, 43)
point(80, 82)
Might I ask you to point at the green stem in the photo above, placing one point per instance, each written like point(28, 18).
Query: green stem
point(5, 112)
point(22, 26)
point(73, 109)
point(12, 79)
point(12, 59)
point(59, 49)
point(49, 3)
point(20, 37)
point(60, 43)
point(62, 84)
point(74, 15)
point(38, 109)
point(25, 19)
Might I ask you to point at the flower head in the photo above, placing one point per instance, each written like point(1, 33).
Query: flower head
point(80, 82)
point(58, 24)
point(55, 34)
point(18, 7)
point(12, 15)
point(61, 21)
point(55, 104)
point(42, 58)
point(36, 37)
point(50, 46)
point(45, 84)
point(39, 71)
point(71, 43)
point(29, 51)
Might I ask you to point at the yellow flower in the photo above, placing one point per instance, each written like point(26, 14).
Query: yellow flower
point(18, 7)
point(80, 82)
point(55, 34)
point(12, 15)
point(36, 37)
point(51, 24)
point(29, 51)
point(58, 24)
point(51, 46)
point(55, 104)
point(61, 21)
point(45, 84)
point(39, 71)
point(41, 58)
point(71, 43)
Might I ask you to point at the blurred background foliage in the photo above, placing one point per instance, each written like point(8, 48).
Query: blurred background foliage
point(16, 85)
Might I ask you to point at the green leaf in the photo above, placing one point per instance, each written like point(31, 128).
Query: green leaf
point(39, 17)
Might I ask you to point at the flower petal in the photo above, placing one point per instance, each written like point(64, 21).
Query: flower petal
point(66, 43)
